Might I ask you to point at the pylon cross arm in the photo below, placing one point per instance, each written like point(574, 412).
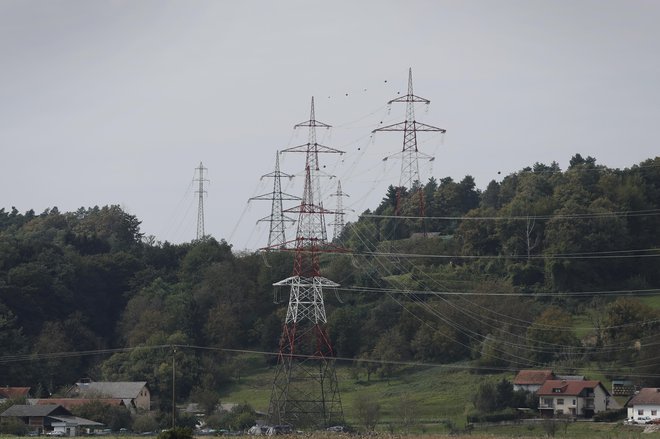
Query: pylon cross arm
point(312, 123)
point(317, 148)
point(409, 98)
point(418, 126)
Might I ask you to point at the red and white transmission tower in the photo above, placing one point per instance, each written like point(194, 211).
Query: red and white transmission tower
point(339, 213)
point(277, 218)
point(410, 153)
point(305, 390)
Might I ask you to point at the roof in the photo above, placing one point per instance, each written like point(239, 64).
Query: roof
point(77, 421)
point(24, 410)
point(570, 388)
point(531, 376)
point(121, 390)
point(69, 403)
point(646, 396)
point(14, 392)
point(571, 377)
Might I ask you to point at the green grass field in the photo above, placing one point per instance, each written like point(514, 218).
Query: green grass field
point(652, 301)
point(441, 396)
point(437, 393)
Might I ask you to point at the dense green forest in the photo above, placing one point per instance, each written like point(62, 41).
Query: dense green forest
point(546, 268)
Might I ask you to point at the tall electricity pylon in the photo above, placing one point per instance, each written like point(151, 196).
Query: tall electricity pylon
point(339, 213)
point(305, 392)
point(410, 127)
point(410, 153)
point(277, 218)
point(200, 203)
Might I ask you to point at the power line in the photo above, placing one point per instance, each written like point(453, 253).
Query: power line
point(628, 213)
point(594, 255)
point(452, 366)
point(638, 292)
point(463, 329)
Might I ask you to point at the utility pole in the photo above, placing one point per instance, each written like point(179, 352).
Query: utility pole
point(410, 153)
point(174, 386)
point(305, 391)
point(277, 218)
point(200, 203)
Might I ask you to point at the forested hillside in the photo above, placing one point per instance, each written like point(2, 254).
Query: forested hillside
point(547, 267)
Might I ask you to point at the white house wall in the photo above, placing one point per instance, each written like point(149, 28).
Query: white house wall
point(577, 403)
point(647, 410)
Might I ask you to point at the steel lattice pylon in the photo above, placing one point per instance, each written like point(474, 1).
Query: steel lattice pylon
point(305, 392)
point(339, 213)
point(410, 127)
point(200, 203)
point(277, 219)
point(410, 153)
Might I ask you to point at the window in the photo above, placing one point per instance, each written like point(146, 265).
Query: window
point(654, 412)
point(560, 401)
point(640, 411)
point(573, 402)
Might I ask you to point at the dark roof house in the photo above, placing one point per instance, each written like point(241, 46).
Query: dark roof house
point(41, 418)
point(26, 410)
point(69, 403)
point(135, 394)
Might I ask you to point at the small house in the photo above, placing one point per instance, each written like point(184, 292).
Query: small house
point(49, 418)
point(13, 392)
point(573, 398)
point(531, 380)
point(135, 394)
point(645, 404)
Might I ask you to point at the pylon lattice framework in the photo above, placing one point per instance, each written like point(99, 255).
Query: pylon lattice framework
point(200, 203)
point(305, 392)
point(410, 153)
point(339, 213)
point(277, 218)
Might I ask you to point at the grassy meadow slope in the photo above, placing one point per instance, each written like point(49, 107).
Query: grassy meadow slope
point(441, 398)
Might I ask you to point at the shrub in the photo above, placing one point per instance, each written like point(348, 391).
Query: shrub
point(143, 423)
point(176, 433)
point(13, 426)
point(611, 415)
point(240, 417)
point(493, 417)
point(112, 416)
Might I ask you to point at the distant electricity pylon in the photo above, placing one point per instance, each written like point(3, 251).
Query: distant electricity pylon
point(305, 390)
point(277, 219)
point(339, 213)
point(410, 153)
point(200, 203)
point(410, 127)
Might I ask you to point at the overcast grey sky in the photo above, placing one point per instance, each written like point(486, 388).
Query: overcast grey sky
point(116, 102)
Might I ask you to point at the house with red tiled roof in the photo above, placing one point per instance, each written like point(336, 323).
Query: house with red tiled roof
point(531, 380)
point(581, 398)
point(645, 404)
point(14, 392)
